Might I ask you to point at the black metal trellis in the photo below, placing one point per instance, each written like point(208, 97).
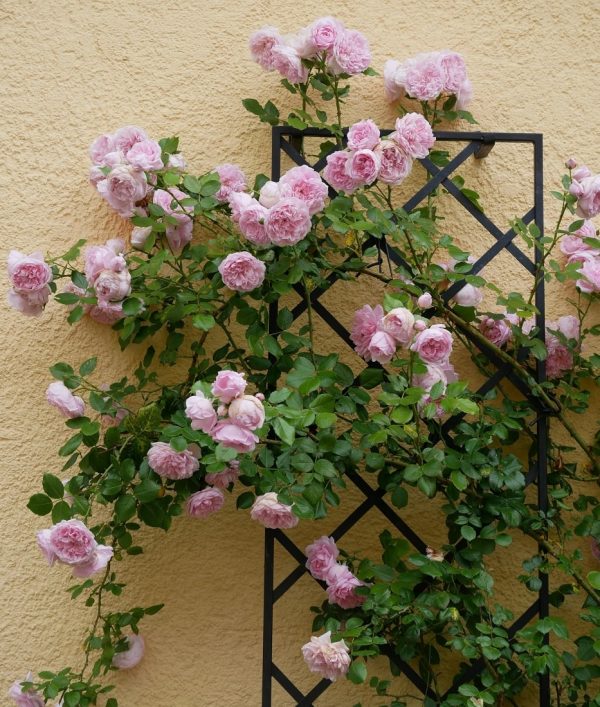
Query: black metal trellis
point(478, 145)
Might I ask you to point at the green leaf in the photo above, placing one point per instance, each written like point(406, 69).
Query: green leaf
point(61, 370)
point(146, 491)
point(40, 504)
point(284, 431)
point(594, 579)
point(88, 367)
point(253, 106)
point(245, 500)
point(53, 486)
point(132, 305)
point(468, 532)
point(61, 511)
point(399, 497)
point(326, 419)
point(205, 322)
point(358, 672)
point(125, 507)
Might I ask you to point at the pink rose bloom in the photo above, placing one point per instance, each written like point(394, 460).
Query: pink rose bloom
point(587, 192)
point(32, 304)
point(168, 201)
point(145, 155)
point(122, 188)
point(413, 135)
point(201, 412)
point(177, 162)
point(112, 286)
point(498, 331)
point(590, 270)
point(262, 44)
point(102, 146)
point(139, 236)
point(270, 194)
point(204, 503)
point(268, 511)
point(232, 180)
point(242, 272)
point(335, 172)
point(234, 436)
point(382, 347)
point(124, 660)
point(288, 62)
point(97, 258)
point(434, 345)
point(363, 135)
point(61, 398)
point(464, 95)
point(399, 323)
point(366, 322)
point(166, 462)
point(288, 222)
point(29, 698)
point(72, 543)
point(238, 201)
point(363, 166)
point(581, 173)
point(434, 374)
point(228, 385)
point(305, 184)
point(329, 660)
point(454, 71)
point(302, 43)
point(468, 296)
point(324, 32)
point(247, 411)
point(424, 77)
point(568, 326)
point(394, 76)
point(559, 359)
point(395, 164)
point(125, 138)
point(350, 53)
point(341, 585)
point(322, 555)
point(28, 273)
point(574, 243)
point(424, 301)
point(223, 479)
point(106, 312)
point(181, 234)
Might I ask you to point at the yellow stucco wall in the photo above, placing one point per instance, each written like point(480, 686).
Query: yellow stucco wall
point(72, 69)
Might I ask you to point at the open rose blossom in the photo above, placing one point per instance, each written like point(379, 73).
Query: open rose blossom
point(413, 135)
point(350, 53)
point(262, 44)
point(32, 304)
point(99, 258)
point(251, 222)
point(25, 698)
point(63, 400)
point(498, 331)
point(336, 174)
point(229, 385)
point(288, 222)
point(363, 166)
point(268, 511)
point(124, 660)
point(112, 286)
point(232, 180)
point(329, 660)
point(242, 272)
point(204, 503)
point(145, 155)
point(363, 135)
point(106, 312)
point(395, 164)
point(322, 555)
point(366, 322)
point(305, 184)
point(234, 436)
point(200, 410)
point(341, 585)
point(587, 192)
point(434, 345)
point(399, 322)
point(324, 32)
point(382, 347)
point(166, 462)
point(71, 543)
point(122, 188)
point(28, 273)
point(288, 63)
point(590, 272)
point(247, 411)
point(222, 479)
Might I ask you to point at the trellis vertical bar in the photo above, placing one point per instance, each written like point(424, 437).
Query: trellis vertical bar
point(542, 421)
point(267, 653)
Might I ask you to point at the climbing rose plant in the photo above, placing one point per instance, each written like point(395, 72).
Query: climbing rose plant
point(276, 420)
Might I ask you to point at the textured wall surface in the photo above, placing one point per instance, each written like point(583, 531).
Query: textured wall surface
point(72, 69)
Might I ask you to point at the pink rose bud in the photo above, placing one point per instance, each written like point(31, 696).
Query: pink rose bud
point(166, 462)
point(229, 385)
point(322, 555)
point(329, 660)
point(139, 236)
point(420, 325)
point(242, 272)
point(341, 585)
point(204, 503)
point(269, 194)
point(399, 323)
point(247, 411)
point(177, 162)
point(63, 400)
point(425, 301)
point(129, 658)
point(571, 163)
point(200, 410)
point(268, 511)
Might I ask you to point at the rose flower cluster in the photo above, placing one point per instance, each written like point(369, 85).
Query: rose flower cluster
point(345, 51)
point(369, 158)
point(428, 76)
point(322, 564)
